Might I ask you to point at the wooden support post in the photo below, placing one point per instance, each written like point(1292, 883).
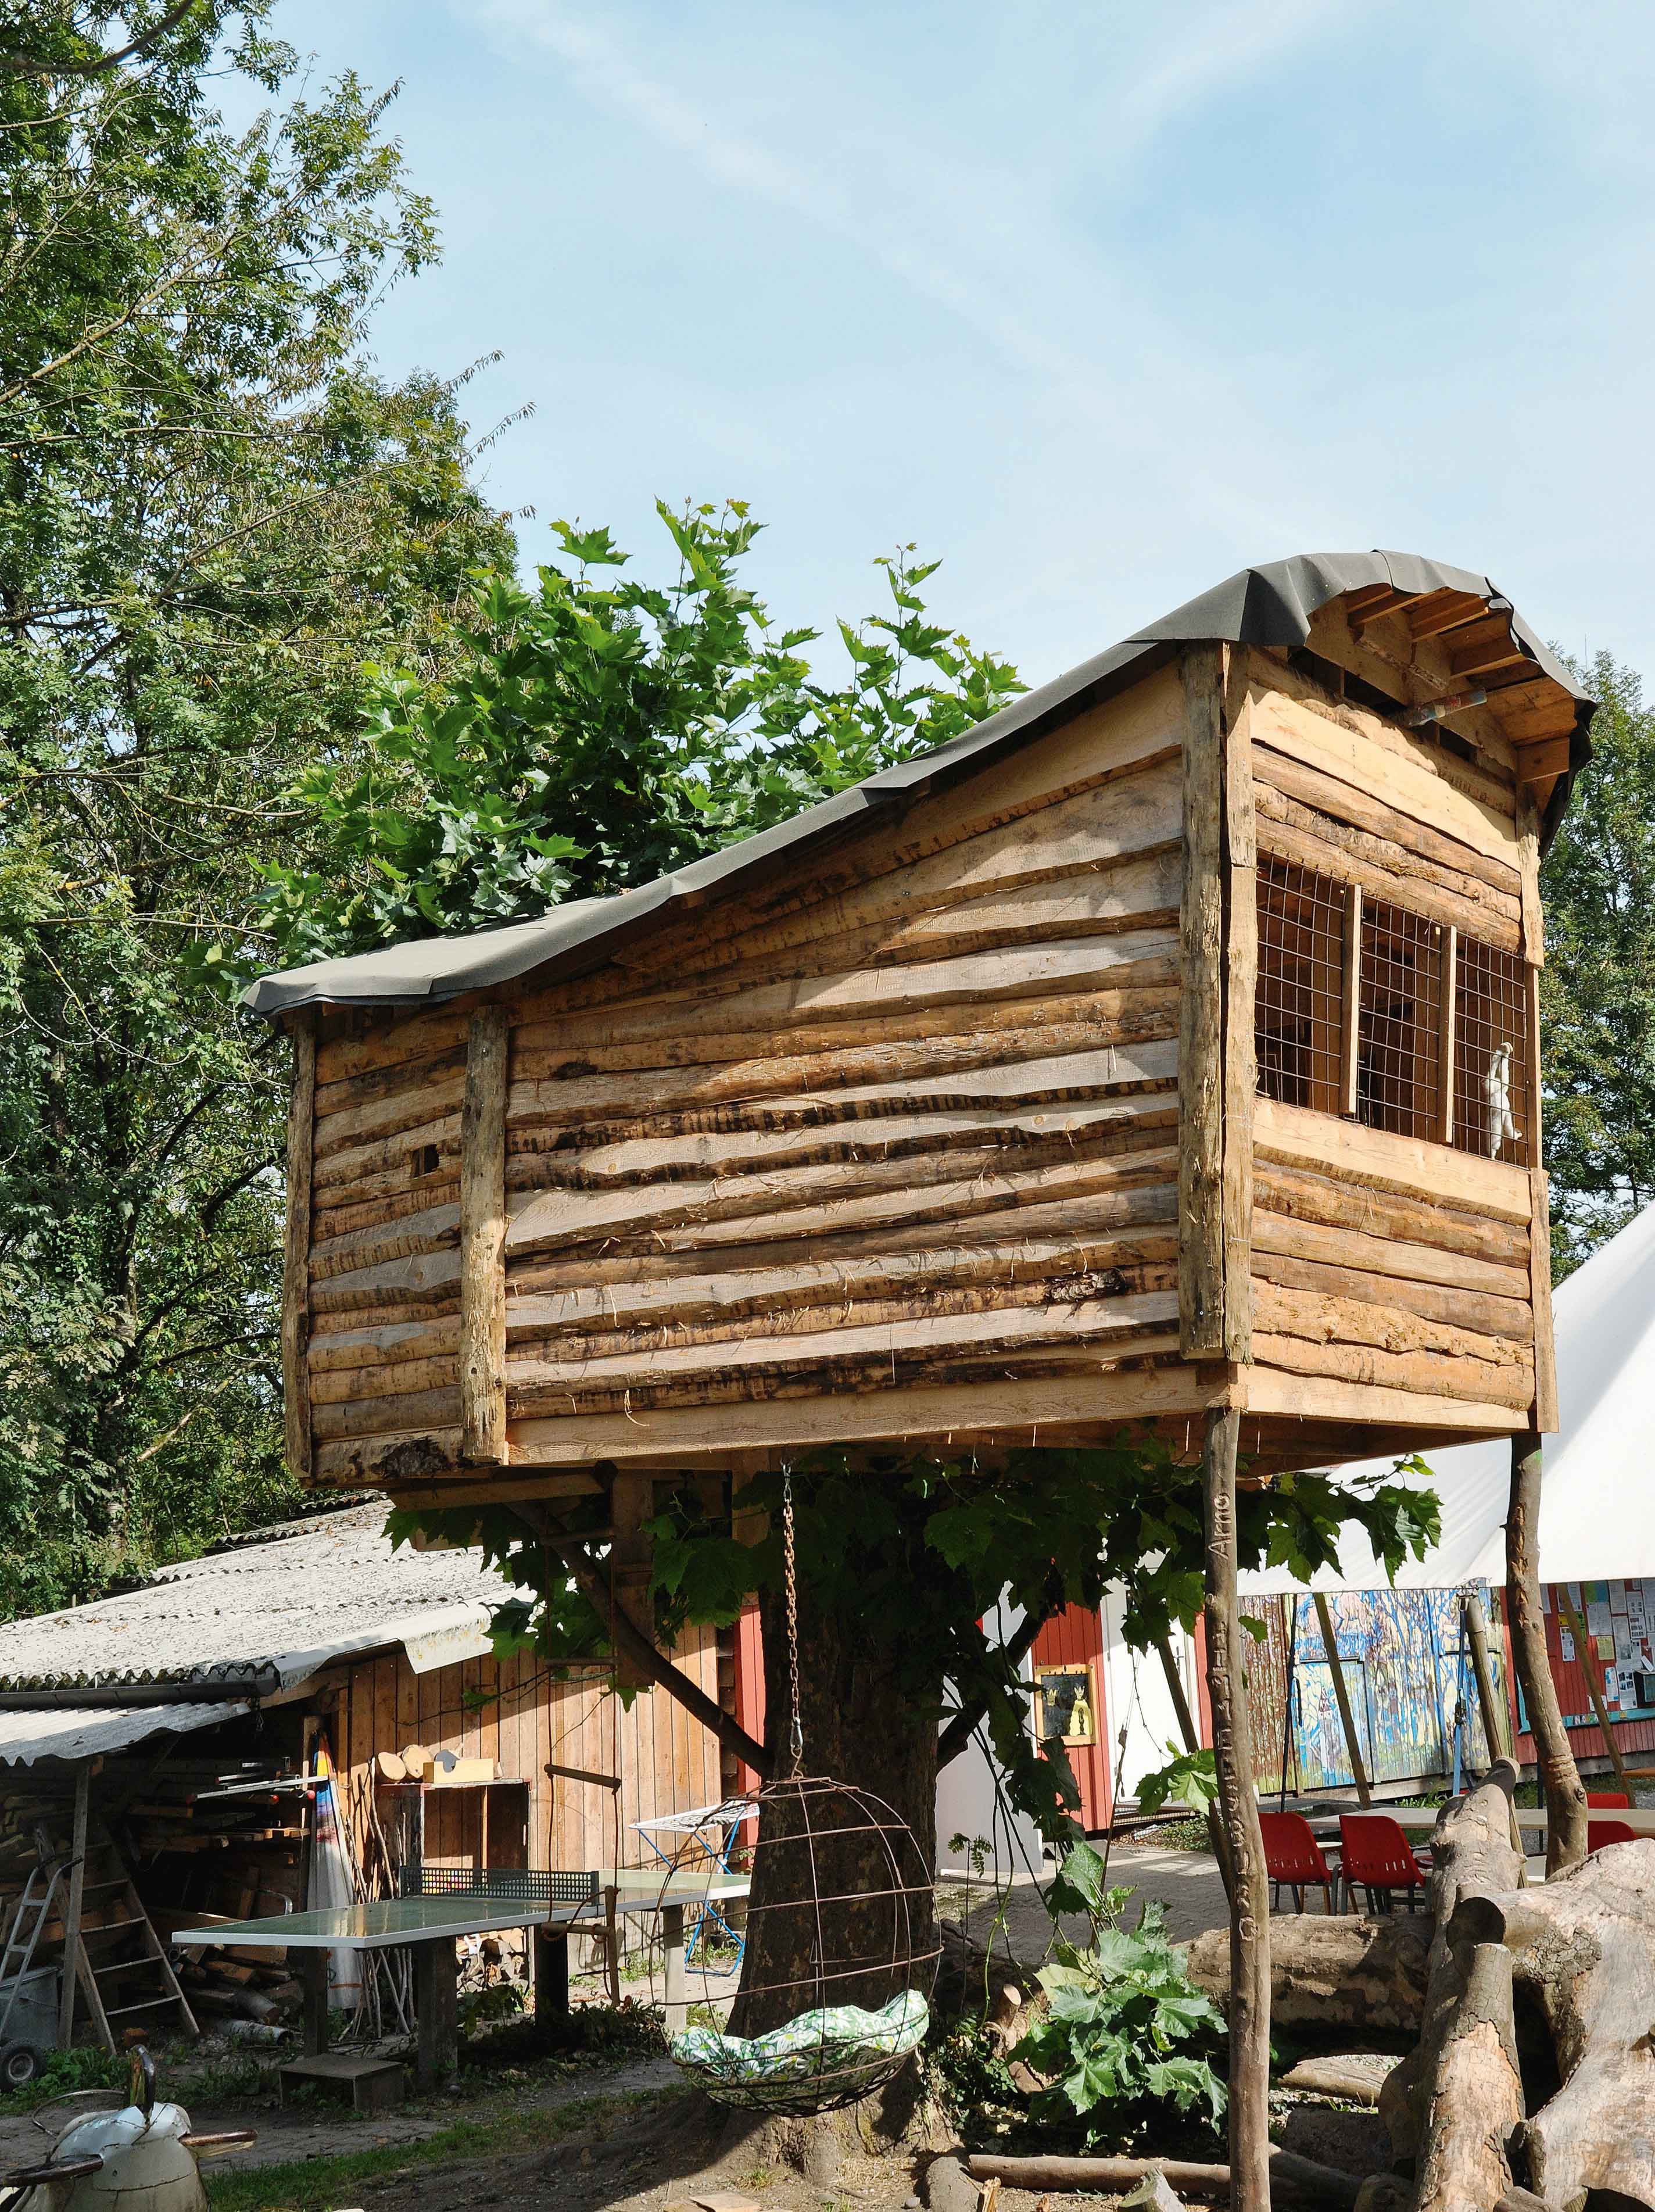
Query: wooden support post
point(1192, 1735)
point(295, 1265)
point(1560, 1777)
point(1249, 2007)
point(551, 1975)
point(1447, 1030)
point(1496, 1715)
point(483, 1241)
point(672, 1953)
point(1586, 1653)
point(71, 1969)
point(612, 1942)
point(436, 1998)
point(1340, 1696)
point(1351, 1016)
point(313, 2001)
point(1545, 1353)
point(1239, 855)
point(1200, 1011)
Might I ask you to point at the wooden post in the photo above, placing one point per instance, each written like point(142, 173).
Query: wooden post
point(72, 1909)
point(1341, 1697)
point(672, 1953)
point(1249, 2007)
point(1496, 1714)
point(1201, 1012)
point(1192, 1735)
point(612, 1942)
point(551, 1955)
point(295, 1265)
point(1588, 1658)
point(1239, 853)
point(1560, 1777)
point(1447, 1027)
point(314, 2016)
point(436, 1998)
point(1351, 1019)
point(483, 1241)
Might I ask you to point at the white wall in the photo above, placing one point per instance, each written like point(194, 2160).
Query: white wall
point(968, 1804)
point(1140, 1701)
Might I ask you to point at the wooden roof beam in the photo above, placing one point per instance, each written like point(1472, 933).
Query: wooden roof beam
point(1372, 609)
point(1487, 644)
point(1443, 611)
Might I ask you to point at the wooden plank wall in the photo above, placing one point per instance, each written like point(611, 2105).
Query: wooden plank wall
point(1380, 1261)
point(666, 1762)
point(907, 1120)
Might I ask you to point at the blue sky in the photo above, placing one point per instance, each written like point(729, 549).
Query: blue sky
point(1097, 303)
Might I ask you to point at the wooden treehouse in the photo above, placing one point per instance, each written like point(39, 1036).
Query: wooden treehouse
point(1169, 1042)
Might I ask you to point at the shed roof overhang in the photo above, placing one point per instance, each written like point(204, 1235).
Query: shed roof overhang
point(1482, 644)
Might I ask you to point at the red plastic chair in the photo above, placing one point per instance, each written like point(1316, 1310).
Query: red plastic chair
point(1615, 1797)
point(1600, 1832)
point(1376, 1853)
point(1294, 1860)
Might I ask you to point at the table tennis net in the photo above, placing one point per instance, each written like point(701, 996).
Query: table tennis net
point(511, 1885)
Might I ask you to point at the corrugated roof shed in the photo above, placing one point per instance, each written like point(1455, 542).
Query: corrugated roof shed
point(252, 1617)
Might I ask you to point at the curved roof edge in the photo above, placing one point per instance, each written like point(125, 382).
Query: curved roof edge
point(1271, 606)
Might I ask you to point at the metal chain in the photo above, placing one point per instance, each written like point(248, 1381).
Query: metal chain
point(797, 1739)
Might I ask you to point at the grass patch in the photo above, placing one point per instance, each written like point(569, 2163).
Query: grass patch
point(318, 2184)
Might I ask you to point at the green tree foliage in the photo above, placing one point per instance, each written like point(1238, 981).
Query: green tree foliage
point(917, 1551)
point(601, 732)
point(211, 514)
point(1598, 988)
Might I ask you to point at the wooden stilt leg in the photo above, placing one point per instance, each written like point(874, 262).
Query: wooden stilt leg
point(1560, 1777)
point(1249, 2009)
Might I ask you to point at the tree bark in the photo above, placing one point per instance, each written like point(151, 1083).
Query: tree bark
point(1560, 1778)
point(836, 1917)
point(1355, 1978)
point(1191, 1734)
point(1453, 2103)
point(1250, 1967)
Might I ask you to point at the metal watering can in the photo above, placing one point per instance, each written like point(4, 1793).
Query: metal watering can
point(141, 2158)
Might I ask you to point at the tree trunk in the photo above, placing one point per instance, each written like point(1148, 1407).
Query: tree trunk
point(1560, 1778)
point(1250, 1974)
point(837, 1913)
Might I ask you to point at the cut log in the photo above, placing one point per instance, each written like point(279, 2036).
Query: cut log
point(1454, 2102)
point(1109, 2175)
point(1356, 2077)
point(1357, 1977)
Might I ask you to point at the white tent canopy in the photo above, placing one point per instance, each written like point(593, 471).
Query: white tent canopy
point(1597, 1502)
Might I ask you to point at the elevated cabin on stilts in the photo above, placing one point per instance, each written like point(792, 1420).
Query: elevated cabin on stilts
point(1168, 1043)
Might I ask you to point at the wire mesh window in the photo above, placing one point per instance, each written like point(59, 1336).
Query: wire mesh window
point(1492, 1110)
point(1297, 1006)
point(1399, 1023)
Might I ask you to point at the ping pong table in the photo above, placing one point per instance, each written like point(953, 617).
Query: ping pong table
point(430, 1927)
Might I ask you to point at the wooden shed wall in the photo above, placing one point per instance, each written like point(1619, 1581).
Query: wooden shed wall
point(1393, 1278)
point(906, 1123)
point(666, 1762)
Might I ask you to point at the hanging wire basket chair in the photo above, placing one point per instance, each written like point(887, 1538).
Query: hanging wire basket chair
point(840, 1918)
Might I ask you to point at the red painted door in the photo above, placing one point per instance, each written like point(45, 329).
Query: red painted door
point(1069, 1704)
point(749, 1685)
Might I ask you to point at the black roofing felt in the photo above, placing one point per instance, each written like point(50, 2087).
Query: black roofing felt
point(1272, 606)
